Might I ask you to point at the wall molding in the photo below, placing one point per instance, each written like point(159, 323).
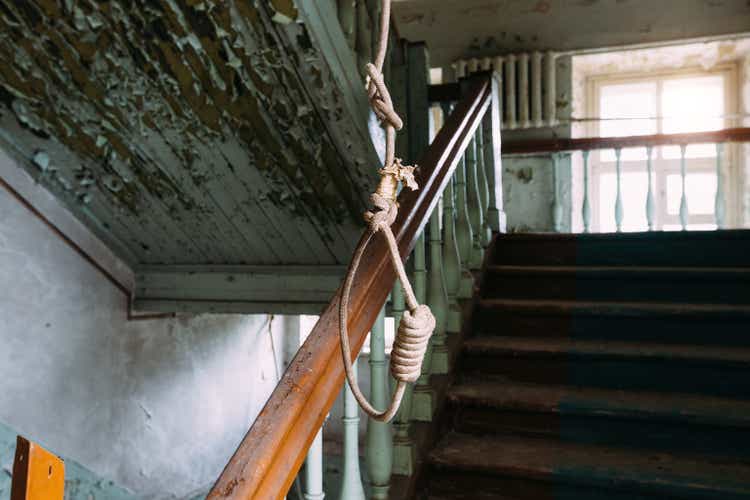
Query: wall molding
point(236, 289)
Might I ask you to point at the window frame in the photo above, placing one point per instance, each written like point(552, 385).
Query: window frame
point(664, 167)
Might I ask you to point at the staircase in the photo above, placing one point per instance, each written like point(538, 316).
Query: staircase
point(603, 367)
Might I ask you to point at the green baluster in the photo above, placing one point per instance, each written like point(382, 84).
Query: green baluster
point(423, 404)
point(484, 188)
point(451, 259)
point(463, 230)
point(314, 469)
point(351, 487)
point(474, 204)
point(437, 298)
point(403, 447)
point(379, 452)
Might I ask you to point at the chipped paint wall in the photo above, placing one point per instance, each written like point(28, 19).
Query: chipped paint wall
point(155, 406)
point(168, 126)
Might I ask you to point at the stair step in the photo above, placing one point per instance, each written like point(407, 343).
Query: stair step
point(694, 423)
point(622, 283)
point(459, 459)
point(689, 248)
point(703, 324)
point(715, 370)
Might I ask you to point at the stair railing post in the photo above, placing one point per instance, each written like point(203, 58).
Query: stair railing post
point(586, 206)
point(423, 401)
point(351, 482)
point(451, 257)
point(314, 469)
point(719, 208)
point(557, 203)
point(618, 198)
point(684, 212)
point(404, 453)
point(493, 162)
point(379, 451)
point(650, 204)
point(437, 297)
point(464, 235)
point(485, 234)
point(474, 204)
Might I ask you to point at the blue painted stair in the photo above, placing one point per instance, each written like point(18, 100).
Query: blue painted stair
point(603, 367)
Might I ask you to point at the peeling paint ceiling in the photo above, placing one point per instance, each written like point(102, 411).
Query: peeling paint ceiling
point(190, 132)
point(466, 28)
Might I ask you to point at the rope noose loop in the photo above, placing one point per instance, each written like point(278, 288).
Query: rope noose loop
point(418, 322)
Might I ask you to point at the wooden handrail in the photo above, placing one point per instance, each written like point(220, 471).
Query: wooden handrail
point(271, 453)
point(633, 141)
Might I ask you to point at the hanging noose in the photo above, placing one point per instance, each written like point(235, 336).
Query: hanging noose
point(417, 322)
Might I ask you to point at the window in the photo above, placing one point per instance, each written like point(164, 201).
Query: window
point(655, 104)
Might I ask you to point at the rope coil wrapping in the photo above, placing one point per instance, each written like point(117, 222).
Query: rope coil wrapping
point(417, 323)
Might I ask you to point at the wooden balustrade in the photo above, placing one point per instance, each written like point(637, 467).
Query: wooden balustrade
point(647, 142)
point(271, 453)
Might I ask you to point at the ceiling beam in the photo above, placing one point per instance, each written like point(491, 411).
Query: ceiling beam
point(236, 289)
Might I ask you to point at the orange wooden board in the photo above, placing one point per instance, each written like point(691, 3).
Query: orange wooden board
point(37, 473)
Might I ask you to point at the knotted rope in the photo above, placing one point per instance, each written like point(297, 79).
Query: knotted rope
point(417, 323)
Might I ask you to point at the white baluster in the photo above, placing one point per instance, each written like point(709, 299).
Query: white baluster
point(719, 208)
point(486, 64)
point(510, 91)
point(351, 487)
point(473, 65)
point(536, 89)
point(618, 201)
point(314, 469)
point(557, 208)
point(523, 90)
point(586, 207)
point(650, 204)
point(683, 199)
point(379, 452)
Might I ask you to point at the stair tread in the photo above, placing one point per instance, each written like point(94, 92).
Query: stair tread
point(586, 401)
point(556, 346)
point(547, 460)
point(669, 236)
point(618, 271)
point(536, 306)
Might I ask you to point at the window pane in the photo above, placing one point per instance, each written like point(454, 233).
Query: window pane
point(692, 105)
point(701, 193)
point(626, 109)
point(633, 187)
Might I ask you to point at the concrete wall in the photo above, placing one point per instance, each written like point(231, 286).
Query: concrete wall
point(155, 406)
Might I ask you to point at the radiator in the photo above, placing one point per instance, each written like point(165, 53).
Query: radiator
point(527, 82)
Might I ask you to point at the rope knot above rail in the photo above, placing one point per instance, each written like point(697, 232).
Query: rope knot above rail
point(380, 98)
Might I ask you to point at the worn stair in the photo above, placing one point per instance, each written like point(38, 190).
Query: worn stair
point(603, 366)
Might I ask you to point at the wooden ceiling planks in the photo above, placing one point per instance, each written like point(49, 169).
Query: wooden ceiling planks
point(186, 134)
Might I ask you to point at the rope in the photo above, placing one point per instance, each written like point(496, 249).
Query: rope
point(417, 322)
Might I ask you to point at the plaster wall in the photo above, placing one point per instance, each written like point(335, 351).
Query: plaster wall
point(529, 182)
point(155, 406)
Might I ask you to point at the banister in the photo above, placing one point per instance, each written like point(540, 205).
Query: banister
point(271, 453)
point(530, 147)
